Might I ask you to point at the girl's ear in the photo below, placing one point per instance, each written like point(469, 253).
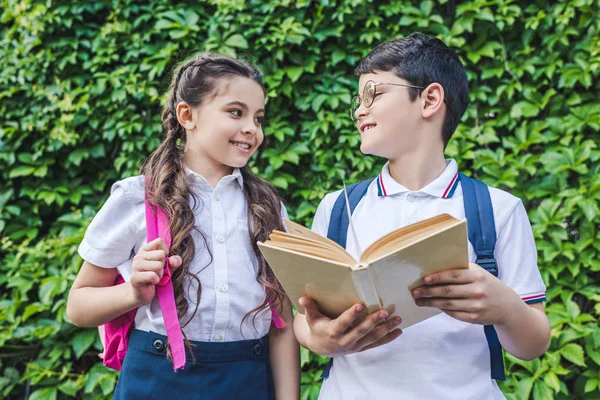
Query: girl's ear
point(433, 99)
point(185, 115)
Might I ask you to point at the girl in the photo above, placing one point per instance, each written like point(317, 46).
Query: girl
point(218, 210)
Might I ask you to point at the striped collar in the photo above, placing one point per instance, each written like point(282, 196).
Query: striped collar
point(443, 186)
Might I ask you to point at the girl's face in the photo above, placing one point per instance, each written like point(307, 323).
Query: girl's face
point(226, 129)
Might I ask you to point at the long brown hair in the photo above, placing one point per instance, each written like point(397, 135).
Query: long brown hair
point(193, 82)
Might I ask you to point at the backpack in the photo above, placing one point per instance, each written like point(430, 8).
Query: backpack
point(481, 232)
point(115, 333)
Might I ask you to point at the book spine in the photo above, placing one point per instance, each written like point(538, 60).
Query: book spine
point(366, 289)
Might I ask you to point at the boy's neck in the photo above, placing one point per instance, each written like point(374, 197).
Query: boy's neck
point(414, 171)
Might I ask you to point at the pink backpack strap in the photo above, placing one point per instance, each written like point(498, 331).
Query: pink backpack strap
point(277, 320)
point(157, 225)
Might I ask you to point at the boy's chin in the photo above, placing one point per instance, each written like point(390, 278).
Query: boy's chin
point(370, 149)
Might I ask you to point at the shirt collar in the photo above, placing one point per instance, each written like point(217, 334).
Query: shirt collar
point(236, 175)
point(443, 186)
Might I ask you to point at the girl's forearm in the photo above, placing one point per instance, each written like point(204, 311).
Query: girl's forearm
point(94, 306)
point(284, 355)
point(526, 332)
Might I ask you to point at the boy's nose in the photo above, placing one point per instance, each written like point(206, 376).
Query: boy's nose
point(360, 112)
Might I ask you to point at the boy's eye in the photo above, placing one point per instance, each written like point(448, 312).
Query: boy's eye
point(260, 120)
point(236, 112)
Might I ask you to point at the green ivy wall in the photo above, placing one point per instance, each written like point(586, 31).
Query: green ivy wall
point(81, 87)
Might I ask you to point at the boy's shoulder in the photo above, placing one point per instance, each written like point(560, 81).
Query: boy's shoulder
point(503, 200)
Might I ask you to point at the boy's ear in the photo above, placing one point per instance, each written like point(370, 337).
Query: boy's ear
point(185, 115)
point(432, 99)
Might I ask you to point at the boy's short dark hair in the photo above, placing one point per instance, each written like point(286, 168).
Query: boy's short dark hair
point(422, 60)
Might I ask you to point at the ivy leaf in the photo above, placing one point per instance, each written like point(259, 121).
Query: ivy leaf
point(237, 41)
point(83, 340)
point(574, 353)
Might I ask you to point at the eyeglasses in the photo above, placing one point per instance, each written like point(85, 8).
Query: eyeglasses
point(369, 93)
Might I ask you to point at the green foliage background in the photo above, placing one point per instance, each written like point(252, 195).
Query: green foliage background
point(82, 83)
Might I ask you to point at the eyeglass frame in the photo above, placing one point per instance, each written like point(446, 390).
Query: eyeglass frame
point(359, 97)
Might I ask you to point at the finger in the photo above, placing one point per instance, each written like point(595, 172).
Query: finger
point(311, 311)
point(365, 327)
point(457, 276)
point(156, 244)
point(155, 255)
point(175, 262)
point(462, 316)
point(348, 318)
point(379, 332)
point(452, 291)
point(445, 304)
point(384, 340)
point(153, 266)
point(144, 278)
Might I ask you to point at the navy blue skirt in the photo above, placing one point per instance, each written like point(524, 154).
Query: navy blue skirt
point(229, 370)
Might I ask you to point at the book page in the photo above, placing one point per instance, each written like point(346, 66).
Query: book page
point(308, 246)
point(299, 230)
point(407, 235)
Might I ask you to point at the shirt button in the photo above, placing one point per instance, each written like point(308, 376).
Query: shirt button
point(411, 198)
point(223, 288)
point(218, 338)
point(217, 198)
point(220, 238)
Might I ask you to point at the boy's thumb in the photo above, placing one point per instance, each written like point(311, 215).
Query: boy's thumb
point(175, 262)
point(311, 310)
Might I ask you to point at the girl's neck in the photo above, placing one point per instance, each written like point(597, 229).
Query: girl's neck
point(210, 171)
point(414, 171)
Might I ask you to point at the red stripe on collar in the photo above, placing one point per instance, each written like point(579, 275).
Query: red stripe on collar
point(450, 185)
point(382, 185)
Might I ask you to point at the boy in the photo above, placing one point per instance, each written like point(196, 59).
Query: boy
point(413, 93)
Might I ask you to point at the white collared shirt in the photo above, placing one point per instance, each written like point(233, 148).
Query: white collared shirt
point(228, 278)
point(439, 358)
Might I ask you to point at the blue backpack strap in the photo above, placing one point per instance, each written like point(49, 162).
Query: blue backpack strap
point(482, 235)
point(339, 222)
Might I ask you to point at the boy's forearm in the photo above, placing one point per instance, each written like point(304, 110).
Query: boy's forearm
point(526, 332)
point(94, 306)
point(284, 355)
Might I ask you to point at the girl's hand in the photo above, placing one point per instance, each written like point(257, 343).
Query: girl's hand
point(148, 268)
point(470, 295)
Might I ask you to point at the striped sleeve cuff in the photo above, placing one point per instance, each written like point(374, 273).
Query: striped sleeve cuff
point(534, 298)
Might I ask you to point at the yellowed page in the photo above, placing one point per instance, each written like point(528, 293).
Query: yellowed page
point(407, 235)
point(299, 230)
point(309, 246)
point(329, 283)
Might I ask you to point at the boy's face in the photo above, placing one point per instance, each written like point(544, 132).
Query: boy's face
point(390, 126)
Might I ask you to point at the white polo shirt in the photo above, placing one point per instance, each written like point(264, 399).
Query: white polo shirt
point(439, 358)
point(228, 278)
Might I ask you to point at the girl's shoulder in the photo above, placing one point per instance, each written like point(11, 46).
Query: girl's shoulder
point(118, 227)
point(130, 189)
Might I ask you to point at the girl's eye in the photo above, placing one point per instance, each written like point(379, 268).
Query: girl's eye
point(260, 120)
point(236, 112)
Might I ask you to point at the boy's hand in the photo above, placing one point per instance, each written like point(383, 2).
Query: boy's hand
point(334, 337)
point(471, 295)
point(148, 268)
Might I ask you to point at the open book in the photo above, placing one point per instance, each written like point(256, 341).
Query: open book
point(308, 264)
